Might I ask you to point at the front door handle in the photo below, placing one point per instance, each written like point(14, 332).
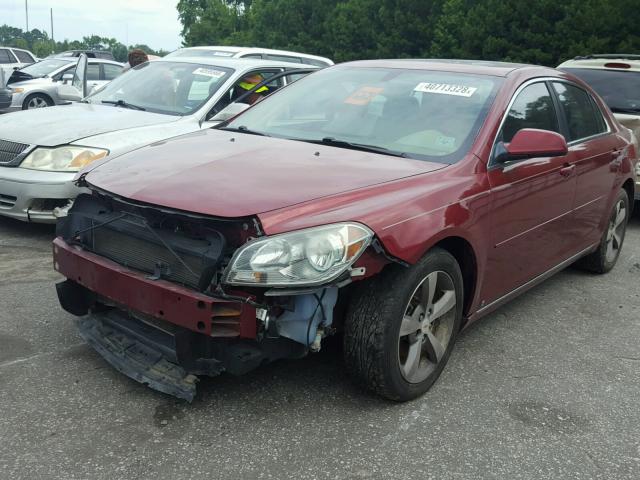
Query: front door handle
point(567, 170)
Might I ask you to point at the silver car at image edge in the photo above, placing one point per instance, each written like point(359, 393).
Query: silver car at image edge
point(42, 150)
point(39, 88)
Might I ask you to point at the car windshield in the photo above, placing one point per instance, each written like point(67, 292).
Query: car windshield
point(171, 88)
point(422, 114)
point(197, 52)
point(45, 67)
point(619, 89)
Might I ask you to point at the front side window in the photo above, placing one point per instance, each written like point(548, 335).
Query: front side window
point(93, 72)
point(532, 108)
point(583, 119)
point(245, 84)
point(23, 56)
point(420, 114)
point(172, 88)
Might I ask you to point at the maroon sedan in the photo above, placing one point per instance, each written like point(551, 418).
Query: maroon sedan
point(393, 202)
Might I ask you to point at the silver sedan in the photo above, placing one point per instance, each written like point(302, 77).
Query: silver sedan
point(36, 86)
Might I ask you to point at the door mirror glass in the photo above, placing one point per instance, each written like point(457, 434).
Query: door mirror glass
point(533, 143)
point(229, 112)
point(67, 78)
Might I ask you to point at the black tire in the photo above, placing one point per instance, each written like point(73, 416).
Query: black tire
point(599, 261)
point(39, 98)
point(372, 337)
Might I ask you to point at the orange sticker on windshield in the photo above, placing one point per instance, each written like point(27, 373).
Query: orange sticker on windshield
point(363, 95)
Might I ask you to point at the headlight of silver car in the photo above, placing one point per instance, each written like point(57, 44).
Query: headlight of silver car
point(303, 258)
point(63, 159)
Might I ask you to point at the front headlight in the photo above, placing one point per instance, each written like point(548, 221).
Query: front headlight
point(63, 159)
point(304, 258)
point(17, 90)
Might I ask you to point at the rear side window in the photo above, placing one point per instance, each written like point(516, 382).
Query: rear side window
point(23, 57)
point(583, 117)
point(532, 108)
point(111, 71)
point(5, 56)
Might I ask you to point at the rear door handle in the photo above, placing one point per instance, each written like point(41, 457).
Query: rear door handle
point(567, 170)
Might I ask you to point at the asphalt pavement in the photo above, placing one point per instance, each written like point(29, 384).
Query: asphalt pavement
point(547, 387)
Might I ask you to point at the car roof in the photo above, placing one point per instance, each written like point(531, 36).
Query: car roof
point(268, 51)
point(233, 62)
point(90, 60)
point(620, 62)
point(479, 67)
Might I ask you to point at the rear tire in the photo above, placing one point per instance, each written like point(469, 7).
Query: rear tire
point(606, 256)
point(37, 100)
point(400, 326)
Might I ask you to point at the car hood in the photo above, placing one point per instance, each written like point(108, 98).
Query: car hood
point(224, 174)
point(64, 124)
point(32, 81)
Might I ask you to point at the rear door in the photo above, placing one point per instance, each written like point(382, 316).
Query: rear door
point(595, 150)
point(532, 200)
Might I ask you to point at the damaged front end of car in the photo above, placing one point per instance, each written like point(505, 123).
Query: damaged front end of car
point(165, 295)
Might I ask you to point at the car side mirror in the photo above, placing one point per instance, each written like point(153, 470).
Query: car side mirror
point(532, 143)
point(228, 112)
point(67, 78)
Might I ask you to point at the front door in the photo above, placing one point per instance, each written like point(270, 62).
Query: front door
point(532, 200)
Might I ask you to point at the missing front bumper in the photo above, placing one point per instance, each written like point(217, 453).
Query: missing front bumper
point(142, 354)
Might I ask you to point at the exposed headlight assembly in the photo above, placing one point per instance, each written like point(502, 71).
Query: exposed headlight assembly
point(302, 258)
point(63, 159)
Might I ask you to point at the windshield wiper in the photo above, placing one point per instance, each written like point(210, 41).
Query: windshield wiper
point(625, 110)
point(122, 103)
point(243, 129)
point(333, 142)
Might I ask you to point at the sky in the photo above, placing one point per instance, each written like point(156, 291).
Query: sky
point(151, 22)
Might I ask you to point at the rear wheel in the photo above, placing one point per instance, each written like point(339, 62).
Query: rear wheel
point(401, 326)
point(36, 100)
point(606, 256)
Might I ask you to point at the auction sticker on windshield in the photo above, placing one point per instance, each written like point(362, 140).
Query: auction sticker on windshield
point(208, 72)
point(445, 89)
point(363, 95)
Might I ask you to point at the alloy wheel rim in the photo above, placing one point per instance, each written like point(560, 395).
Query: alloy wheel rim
point(427, 326)
point(615, 232)
point(37, 102)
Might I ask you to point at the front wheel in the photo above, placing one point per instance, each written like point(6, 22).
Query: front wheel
point(401, 326)
point(606, 256)
point(37, 100)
